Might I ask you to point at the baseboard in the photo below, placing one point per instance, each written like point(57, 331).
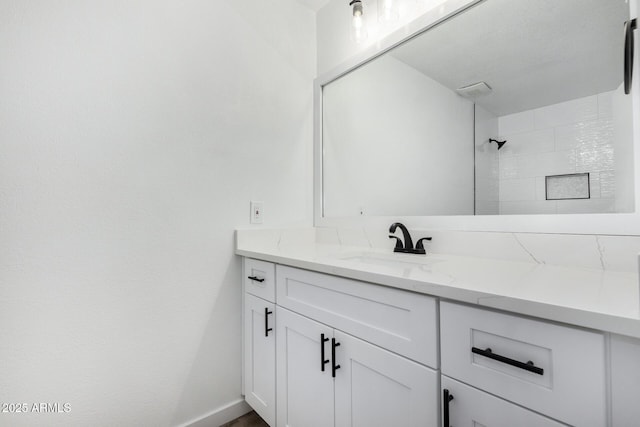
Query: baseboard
point(222, 415)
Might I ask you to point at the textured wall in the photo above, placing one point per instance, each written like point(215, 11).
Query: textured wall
point(571, 137)
point(132, 137)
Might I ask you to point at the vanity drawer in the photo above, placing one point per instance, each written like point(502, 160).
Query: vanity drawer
point(400, 321)
point(555, 370)
point(472, 407)
point(259, 278)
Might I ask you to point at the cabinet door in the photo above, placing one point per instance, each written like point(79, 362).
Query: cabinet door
point(260, 357)
point(377, 388)
point(471, 407)
point(625, 380)
point(304, 390)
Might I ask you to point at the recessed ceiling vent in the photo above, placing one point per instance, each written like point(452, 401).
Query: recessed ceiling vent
point(475, 90)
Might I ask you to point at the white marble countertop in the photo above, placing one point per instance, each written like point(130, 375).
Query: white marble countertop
point(591, 298)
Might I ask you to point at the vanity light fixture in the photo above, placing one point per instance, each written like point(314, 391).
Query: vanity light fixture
point(358, 30)
point(388, 10)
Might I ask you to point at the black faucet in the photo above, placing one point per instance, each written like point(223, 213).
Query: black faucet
point(407, 248)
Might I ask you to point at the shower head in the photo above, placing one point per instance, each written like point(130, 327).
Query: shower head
point(500, 143)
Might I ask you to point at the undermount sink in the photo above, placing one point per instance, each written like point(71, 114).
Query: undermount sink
point(393, 259)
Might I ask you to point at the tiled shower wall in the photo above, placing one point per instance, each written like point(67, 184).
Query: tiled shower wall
point(570, 137)
point(487, 163)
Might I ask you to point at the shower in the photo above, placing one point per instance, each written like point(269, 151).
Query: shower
point(500, 143)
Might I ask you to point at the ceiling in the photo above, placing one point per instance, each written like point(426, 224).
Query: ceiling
point(530, 52)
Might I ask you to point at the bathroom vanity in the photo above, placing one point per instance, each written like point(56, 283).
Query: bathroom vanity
point(511, 328)
point(336, 336)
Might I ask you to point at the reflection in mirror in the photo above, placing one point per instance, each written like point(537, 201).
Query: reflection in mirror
point(475, 114)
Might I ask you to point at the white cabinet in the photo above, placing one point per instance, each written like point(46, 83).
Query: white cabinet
point(377, 388)
point(259, 279)
point(625, 381)
point(305, 391)
point(555, 370)
point(327, 377)
point(260, 357)
point(471, 407)
point(403, 322)
point(325, 351)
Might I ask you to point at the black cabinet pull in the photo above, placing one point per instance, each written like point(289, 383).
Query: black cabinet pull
point(334, 367)
point(529, 366)
point(267, 312)
point(256, 278)
point(446, 398)
point(323, 361)
point(629, 26)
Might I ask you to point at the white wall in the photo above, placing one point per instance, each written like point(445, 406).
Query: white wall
point(396, 142)
point(570, 137)
point(132, 137)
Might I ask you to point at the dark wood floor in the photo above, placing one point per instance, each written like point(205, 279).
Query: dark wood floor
point(248, 420)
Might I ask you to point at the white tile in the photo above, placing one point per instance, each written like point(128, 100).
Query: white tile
point(508, 167)
point(586, 206)
point(528, 207)
point(561, 249)
point(517, 189)
point(541, 188)
point(537, 141)
point(594, 184)
point(577, 110)
point(620, 253)
point(487, 207)
point(585, 135)
point(595, 159)
point(607, 184)
point(516, 123)
point(605, 106)
point(487, 189)
point(543, 164)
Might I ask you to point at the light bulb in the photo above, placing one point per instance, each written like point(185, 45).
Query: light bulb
point(358, 29)
point(387, 10)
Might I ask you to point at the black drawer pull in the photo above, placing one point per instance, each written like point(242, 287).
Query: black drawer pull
point(323, 361)
point(334, 367)
point(446, 398)
point(267, 312)
point(256, 278)
point(529, 366)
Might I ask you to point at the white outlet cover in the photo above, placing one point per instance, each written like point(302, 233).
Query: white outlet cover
point(256, 212)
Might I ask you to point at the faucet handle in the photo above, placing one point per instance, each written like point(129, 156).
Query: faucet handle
point(419, 244)
point(398, 242)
